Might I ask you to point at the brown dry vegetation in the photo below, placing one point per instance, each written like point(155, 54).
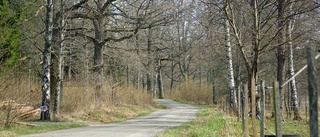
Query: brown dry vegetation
point(126, 102)
point(19, 97)
point(192, 92)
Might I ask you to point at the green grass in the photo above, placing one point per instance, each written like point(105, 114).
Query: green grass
point(289, 127)
point(209, 123)
point(23, 130)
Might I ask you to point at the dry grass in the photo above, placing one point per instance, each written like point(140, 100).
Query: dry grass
point(80, 105)
point(78, 101)
point(192, 92)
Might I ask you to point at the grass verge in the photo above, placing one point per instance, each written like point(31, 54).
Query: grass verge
point(211, 122)
point(119, 113)
point(23, 130)
point(112, 114)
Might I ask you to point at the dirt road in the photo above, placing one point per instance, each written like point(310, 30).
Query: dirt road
point(145, 126)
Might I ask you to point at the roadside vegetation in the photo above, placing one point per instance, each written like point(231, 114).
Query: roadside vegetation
point(23, 129)
point(218, 121)
point(21, 106)
point(212, 122)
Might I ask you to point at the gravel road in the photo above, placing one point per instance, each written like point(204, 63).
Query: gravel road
point(145, 126)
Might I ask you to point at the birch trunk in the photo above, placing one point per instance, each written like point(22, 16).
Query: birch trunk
point(45, 115)
point(293, 88)
point(233, 98)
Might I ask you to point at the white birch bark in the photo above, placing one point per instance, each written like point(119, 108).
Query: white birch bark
point(233, 98)
point(294, 94)
point(45, 115)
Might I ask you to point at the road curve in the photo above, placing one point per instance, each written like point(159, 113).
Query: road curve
point(145, 126)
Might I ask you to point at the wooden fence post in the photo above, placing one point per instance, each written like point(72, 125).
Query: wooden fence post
point(313, 94)
point(276, 100)
point(262, 106)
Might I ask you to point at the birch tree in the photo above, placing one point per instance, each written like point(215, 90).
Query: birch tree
point(45, 113)
point(233, 99)
point(293, 88)
point(250, 61)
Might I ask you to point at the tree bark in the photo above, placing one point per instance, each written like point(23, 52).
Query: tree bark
point(233, 98)
point(172, 73)
point(54, 72)
point(45, 114)
point(245, 132)
point(57, 60)
point(293, 88)
point(150, 64)
point(98, 71)
point(254, 68)
point(280, 48)
point(98, 63)
point(159, 81)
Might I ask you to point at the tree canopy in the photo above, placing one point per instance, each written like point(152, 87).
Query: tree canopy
point(11, 14)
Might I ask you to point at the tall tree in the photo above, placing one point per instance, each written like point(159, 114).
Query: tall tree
point(57, 58)
point(45, 113)
point(232, 91)
point(293, 88)
point(115, 21)
point(257, 24)
point(150, 61)
point(281, 41)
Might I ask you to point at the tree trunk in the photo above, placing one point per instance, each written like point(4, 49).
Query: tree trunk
point(159, 81)
point(70, 65)
point(149, 65)
point(57, 61)
point(281, 41)
point(98, 57)
point(253, 105)
point(127, 75)
point(253, 74)
point(45, 113)
point(233, 98)
point(98, 71)
point(293, 88)
point(54, 72)
point(245, 132)
point(172, 74)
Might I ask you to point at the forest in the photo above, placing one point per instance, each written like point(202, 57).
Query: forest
point(69, 55)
